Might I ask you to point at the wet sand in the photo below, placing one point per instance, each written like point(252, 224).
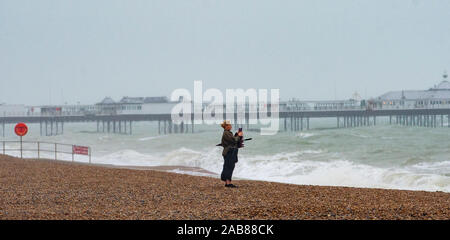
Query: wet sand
point(46, 189)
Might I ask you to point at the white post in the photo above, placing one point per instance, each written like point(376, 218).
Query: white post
point(21, 147)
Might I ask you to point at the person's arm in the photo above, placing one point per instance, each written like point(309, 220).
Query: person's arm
point(228, 139)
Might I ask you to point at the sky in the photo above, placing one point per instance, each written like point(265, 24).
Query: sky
point(70, 52)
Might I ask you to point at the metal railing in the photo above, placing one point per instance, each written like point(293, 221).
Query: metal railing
point(44, 147)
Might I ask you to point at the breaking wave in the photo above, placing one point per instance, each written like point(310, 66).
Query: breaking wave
point(300, 167)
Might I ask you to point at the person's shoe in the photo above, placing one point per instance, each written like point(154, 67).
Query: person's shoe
point(231, 186)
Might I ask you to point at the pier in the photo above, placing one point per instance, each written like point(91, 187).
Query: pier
point(294, 120)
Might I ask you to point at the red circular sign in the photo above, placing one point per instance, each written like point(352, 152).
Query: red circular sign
point(21, 129)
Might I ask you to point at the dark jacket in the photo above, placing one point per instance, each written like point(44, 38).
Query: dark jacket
point(228, 141)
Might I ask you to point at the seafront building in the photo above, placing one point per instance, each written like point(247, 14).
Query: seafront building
point(435, 97)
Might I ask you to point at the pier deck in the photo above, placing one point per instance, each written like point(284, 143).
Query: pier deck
point(290, 120)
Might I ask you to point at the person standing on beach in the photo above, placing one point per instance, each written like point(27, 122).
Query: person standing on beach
point(229, 153)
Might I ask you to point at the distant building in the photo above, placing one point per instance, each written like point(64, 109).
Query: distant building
point(79, 109)
point(130, 105)
point(435, 97)
point(135, 105)
point(354, 103)
point(107, 106)
point(50, 110)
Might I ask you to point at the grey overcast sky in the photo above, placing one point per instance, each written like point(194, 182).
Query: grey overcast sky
point(83, 50)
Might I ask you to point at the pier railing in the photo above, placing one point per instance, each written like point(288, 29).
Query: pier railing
point(56, 150)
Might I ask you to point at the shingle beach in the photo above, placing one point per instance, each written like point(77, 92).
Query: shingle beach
point(44, 189)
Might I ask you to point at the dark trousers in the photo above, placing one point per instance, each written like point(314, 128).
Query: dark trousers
point(228, 165)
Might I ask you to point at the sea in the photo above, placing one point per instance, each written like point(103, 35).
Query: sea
point(383, 156)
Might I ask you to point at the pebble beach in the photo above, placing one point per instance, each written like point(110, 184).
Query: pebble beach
point(46, 189)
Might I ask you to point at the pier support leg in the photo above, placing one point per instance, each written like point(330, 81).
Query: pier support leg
point(295, 123)
point(292, 127)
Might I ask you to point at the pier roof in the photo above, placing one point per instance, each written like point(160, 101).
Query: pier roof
point(440, 91)
point(432, 94)
point(140, 100)
point(156, 100)
point(443, 85)
point(107, 100)
point(132, 100)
